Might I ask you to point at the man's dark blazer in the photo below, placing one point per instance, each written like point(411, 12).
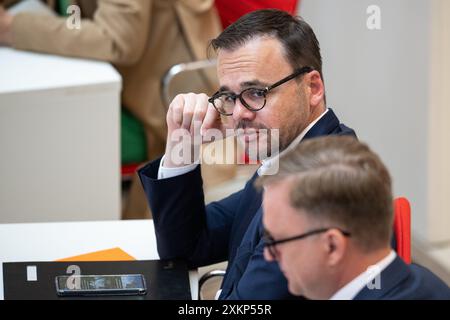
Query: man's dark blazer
point(230, 229)
point(400, 281)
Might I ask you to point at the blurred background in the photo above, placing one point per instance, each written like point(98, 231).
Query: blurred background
point(63, 130)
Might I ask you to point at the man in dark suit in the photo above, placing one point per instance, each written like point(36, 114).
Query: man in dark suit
point(328, 218)
point(270, 72)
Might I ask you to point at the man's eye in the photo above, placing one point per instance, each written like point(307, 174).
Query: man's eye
point(256, 93)
point(228, 98)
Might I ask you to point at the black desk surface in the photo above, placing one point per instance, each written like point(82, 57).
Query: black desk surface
point(166, 280)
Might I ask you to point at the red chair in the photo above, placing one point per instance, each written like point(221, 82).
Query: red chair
point(230, 10)
point(128, 170)
point(402, 228)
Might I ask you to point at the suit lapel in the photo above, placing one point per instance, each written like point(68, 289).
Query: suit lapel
point(394, 274)
point(326, 125)
point(250, 203)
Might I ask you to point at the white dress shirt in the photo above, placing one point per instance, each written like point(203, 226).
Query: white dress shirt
point(165, 173)
point(351, 289)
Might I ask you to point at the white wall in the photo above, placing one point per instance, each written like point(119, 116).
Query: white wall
point(378, 83)
point(439, 129)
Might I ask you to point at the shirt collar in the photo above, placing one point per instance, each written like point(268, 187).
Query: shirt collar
point(351, 289)
point(268, 165)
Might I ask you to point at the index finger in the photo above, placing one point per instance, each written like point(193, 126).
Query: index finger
point(211, 118)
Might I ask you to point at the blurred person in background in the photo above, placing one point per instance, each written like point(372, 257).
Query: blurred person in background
point(142, 39)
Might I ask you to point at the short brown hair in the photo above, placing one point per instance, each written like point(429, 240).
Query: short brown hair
point(339, 180)
point(297, 37)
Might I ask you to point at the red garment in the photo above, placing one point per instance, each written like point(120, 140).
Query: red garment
point(231, 10)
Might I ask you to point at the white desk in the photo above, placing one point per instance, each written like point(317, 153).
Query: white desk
point(59, 139)
point(53, 241)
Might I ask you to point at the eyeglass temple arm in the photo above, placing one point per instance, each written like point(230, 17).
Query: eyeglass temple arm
point(292, 76)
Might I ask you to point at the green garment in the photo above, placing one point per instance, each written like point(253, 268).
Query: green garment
point(133, 140)
point(62, 7)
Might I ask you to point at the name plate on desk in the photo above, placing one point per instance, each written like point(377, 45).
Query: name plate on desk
point(166, 280)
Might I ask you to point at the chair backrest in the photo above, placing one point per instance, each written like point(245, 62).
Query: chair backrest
point(231, 10)
point(402, 228)
point(178, 69)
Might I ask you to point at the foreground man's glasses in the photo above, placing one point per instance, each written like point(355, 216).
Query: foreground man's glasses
point(270, 243)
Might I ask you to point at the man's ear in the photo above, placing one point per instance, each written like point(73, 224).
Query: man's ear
point(335, 244)
point(316, 88)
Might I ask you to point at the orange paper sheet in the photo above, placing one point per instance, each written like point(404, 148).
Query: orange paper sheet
point(114, 254)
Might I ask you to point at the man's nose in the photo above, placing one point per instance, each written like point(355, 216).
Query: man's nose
point(240, 112)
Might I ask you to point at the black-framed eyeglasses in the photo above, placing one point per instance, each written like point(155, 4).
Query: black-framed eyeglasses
point(270, 243)
point(254, 99)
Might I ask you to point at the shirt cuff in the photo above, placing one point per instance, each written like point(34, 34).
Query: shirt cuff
point(166, 173)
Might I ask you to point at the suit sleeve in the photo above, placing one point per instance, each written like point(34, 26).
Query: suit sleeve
point(258, 276)
point(117, 33)
point(186, 228)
